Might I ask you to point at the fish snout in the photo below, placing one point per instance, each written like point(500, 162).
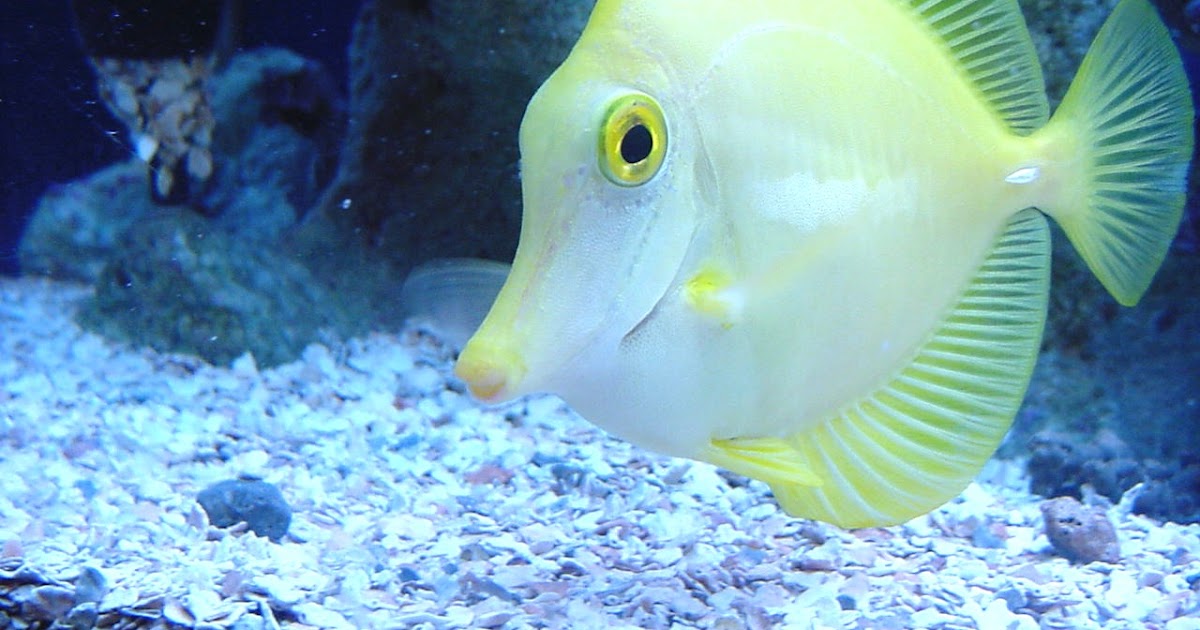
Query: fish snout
point(492, 371)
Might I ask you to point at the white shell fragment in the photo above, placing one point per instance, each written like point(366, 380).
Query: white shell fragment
point(415, 508)
point(146, 147)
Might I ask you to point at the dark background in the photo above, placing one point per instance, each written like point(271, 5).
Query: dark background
point(53, 127)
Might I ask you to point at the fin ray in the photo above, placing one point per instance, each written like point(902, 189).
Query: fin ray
point(769, 459)
point(849, 438)
point(922, 437)
point(1128, 117)
point(993, 47)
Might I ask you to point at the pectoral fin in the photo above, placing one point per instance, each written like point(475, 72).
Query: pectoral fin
point(710, 294)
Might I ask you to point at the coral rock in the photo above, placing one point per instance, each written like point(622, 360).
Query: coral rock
point(1079, 533)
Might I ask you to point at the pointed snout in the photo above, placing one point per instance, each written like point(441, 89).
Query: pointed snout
point(492, 370)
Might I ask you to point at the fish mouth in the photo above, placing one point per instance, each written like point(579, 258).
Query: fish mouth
point(493, 372)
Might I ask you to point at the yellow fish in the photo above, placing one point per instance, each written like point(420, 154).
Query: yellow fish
point(806, 240)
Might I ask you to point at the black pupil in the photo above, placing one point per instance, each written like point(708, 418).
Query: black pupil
point(637, 144)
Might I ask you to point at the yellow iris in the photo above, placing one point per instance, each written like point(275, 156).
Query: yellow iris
point(633, 141)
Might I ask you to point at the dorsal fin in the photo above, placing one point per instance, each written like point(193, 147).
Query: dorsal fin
point(992, 45)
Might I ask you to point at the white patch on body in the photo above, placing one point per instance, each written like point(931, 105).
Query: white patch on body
point(1025, 175)
point(808, 203)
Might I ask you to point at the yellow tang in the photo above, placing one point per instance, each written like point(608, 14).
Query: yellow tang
point(805, 241)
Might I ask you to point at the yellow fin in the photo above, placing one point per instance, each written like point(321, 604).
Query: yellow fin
point(773, 460)
point(920, 439)
point(990, 41)
point(709, 292)
point(1128, 116)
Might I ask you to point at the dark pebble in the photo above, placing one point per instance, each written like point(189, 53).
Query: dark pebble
point(542, 459)
point(407, 574)
point(1193, 581)
point(410, 440)
point(1015, 598)
point(87, 488)
point(257, 503)
point(568, 476)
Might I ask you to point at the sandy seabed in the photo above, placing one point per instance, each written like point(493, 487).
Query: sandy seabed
point(415, 508)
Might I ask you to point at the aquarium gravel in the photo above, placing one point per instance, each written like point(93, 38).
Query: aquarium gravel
point(412, 507)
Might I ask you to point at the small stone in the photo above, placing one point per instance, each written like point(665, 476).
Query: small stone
point(51, 601)
point(972, 568)
point(1121, 587)
point(1019, 541)
point(942, 547)
point(459, 617)
point(176, 613)
point(407, 574)
point(568, 477)
point(244, 366)
point(257, 503)
point(82, 617)
point(315, 614)
point(493, 619)
point(282, 590)
point(249, 622)
point(816, 564)
point(1150, 577)
point(408, 527)
point(199, 163)
point(996, 616)
point(90, 586)
point(929, 618)
point(1015, 598)
point(489, 474)
point(1078, 533)
point(424, 380)
point(985, 538)
point(203, 603)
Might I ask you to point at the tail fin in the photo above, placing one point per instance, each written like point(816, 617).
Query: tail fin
point(1128, 115)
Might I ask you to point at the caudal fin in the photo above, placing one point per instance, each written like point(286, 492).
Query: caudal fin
point(1128, 119)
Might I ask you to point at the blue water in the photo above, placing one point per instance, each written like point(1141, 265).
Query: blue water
point(54, 129)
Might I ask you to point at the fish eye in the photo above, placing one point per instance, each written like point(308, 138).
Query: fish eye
point(633, 140)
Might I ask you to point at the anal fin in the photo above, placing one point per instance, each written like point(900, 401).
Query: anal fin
point(773, 460)
point(919, 440)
